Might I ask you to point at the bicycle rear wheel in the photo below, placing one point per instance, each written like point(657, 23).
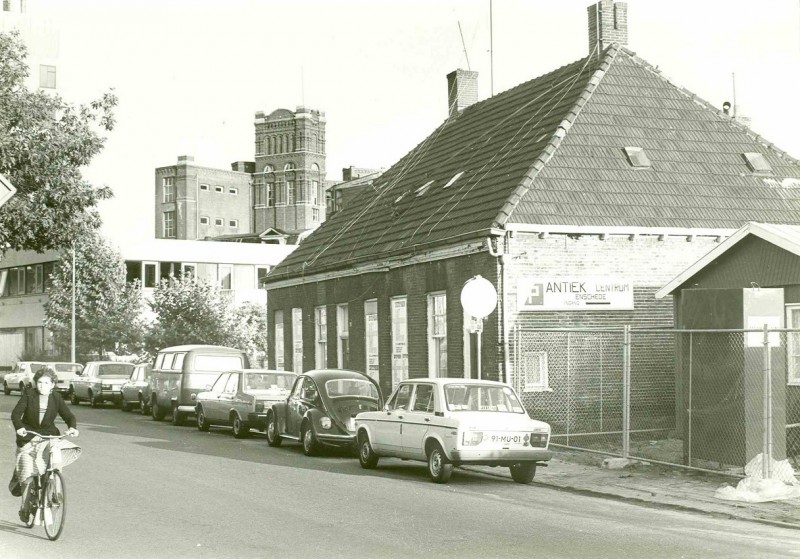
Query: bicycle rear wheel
point(55, 505)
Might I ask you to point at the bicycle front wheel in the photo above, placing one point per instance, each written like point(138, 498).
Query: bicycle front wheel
point(55, 505)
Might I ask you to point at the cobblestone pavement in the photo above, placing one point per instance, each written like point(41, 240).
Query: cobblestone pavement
point(655, 485)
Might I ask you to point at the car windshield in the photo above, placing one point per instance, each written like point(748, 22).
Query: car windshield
point(216, 363)
point(68, 367)
point(351, 387)
point(114, 369)
point(268, 381)
point(481, 397)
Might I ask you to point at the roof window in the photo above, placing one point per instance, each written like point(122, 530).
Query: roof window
point(454, 179)
point(421, 190)
point(757, 163)
point(637, 157)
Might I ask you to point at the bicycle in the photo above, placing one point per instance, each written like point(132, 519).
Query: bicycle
point(47, 495)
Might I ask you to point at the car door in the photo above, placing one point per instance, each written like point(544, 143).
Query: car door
point(241, 401)
point(418, 420)
point(211, 403)
point(386, 429)
point(305, 399)
point(129, 388)
point(292, 404)
point(227, 397)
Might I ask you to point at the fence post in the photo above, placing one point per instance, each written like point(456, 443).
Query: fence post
point(767, 413)
point(626, 390)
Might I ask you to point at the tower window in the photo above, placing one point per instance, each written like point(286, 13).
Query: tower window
point(169, 225)
point(218, 221)
point(204, 220)
point(233, 191)
point(47, 76)
point(234, 223)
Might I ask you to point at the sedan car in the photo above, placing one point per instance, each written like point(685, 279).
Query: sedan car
point(321, 409)
point(136, 392)
point(448, 422)
point(241, 399)
point(100, 381)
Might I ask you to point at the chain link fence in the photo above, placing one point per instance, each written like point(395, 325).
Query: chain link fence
point(702, 399)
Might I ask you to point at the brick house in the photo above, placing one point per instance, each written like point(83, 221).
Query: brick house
point(578, 194)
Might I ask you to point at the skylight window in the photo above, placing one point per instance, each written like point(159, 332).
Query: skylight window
point(637, 157)
point(421, 190)
point(757, 163)
point(454, 179)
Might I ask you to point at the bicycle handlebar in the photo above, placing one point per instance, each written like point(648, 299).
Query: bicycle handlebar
point(46, 436)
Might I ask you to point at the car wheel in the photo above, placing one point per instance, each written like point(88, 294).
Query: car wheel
point(202, 422)
point(273, 437)
point(157, 412)
point(310, 445)
point(439, 468)
point(177, 417)
point(6, 389)
point(73, 399)
point(93, 401)
point(143, 407)
point(124, 405)
point(523, 473)
point(366, 456)
point(240, 428)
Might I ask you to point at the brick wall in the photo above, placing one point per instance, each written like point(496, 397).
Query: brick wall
point(612, 24)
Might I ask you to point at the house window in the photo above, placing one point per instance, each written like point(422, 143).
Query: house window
point(399, 339)
point(204, 187)
point(757, 163)
point(793, 344)
point(342, 337)
point(315, 215)
point(150, 280)
point(258, 191)
point(269, 200)
point(315, 197)
point(279, 348)
point(168, 184)
point(33, 279)
point(371, 336)
point(290, 193)
point(233, 191)
point(169, 225)
point(259, 145)
point(225, 276)
point(204, 220)
point(188, 270)
point(219, 189)
point(533, 371)
point(437, 335)
point(321, 337)
point(297, 340)
point(233, 223)
point(218, 221)
point(47, 76)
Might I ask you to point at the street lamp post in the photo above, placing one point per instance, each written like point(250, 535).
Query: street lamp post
point(478, 299)
point(72, 342)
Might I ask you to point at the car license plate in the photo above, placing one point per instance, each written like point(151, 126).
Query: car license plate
point(507, 439)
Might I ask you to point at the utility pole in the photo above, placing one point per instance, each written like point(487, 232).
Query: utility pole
point(72, 343)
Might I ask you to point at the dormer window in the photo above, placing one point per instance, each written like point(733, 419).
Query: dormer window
point(637, 157)
point(758, 163)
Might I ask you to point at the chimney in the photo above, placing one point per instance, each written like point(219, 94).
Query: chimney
point(608, 23)
point(462, 90)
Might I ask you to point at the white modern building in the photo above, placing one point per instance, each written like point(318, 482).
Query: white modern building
point(41, 38)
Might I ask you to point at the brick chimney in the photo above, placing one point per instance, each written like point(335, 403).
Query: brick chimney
point(462, 90)
point(608, 23)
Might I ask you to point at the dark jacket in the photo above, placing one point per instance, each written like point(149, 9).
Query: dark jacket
point(26, 414)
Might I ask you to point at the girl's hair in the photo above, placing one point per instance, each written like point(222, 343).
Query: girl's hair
point(45, 372)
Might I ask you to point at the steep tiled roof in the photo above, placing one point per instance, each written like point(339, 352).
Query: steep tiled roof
point(550, 151)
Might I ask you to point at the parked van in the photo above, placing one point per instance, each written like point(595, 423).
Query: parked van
point(180, 373)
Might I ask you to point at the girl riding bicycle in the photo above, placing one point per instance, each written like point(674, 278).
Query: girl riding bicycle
point(36, 411)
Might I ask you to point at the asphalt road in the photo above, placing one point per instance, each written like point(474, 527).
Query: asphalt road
point(149, 489)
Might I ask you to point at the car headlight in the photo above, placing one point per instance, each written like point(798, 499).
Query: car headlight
point(472, 438)
point(325, 422)
point(193, 396)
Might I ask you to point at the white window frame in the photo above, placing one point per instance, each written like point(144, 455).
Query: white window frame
point(437, 341)
point(321, 337)
point(269, 194)
point(219, 222)
point(792, 347)
point(233, 191)
point(399, 308)
point(233, 223)
point(221, 274)
point(207, 220)
point(168, 187)
point(219, 189)
point(297, 340)
point(204, 187)
point(185, 266)
point(533, 361)
point(280, 363)
point(371, 338)
point(342, 333)
point(173, 229)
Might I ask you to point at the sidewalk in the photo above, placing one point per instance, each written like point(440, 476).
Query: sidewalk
point(654, 485)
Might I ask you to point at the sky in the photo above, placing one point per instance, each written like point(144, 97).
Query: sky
point(191, 74)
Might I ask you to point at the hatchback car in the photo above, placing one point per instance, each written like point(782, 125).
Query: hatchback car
point(321, 409)
point(241, 399)
point(448, 422)
point(136, 392)
point(21, 376)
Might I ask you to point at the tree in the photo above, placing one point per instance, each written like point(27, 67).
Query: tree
point(108, 309)
point(250, 331)
point(190, 311)
point(44, 142)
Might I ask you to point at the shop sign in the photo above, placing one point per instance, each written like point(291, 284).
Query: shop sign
point(574, 293)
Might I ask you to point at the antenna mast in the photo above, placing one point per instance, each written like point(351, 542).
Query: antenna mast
point(491, 50)
point(733, 81)
point(463, 45)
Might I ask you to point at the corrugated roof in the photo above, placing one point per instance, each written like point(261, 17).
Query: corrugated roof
point(551, 151)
